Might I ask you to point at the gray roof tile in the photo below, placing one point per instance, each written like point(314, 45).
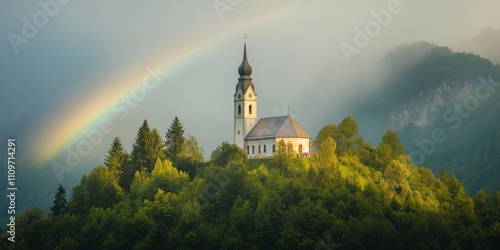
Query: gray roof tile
point(279, 126)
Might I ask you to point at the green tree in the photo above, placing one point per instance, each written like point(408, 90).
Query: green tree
point(328, 159)
point(126, 173)
point(241, 216)
point(268, 218)
point(167, 178)
point(392, 140)
point(142, 156)
point(99, 189)
point(348, 139)
point(383, 156)
point(328, 131)
point(31, 228)
point(99, 224)
point(60, 203)
point(283, 156)
point(158, 151)
point(481, 206)
point(67, 243)
point(226, 153)
point(192, 150)
point(118, 159)
point(396, 175)
point(116, 154)
point(191, 157)
point(326, 154)
point(174, 140)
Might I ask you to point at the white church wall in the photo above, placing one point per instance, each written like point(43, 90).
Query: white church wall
point(266, 148)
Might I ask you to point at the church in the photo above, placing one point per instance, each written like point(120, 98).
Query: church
point(259, 138)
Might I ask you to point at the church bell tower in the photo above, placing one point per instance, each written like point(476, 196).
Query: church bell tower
point(245, 102)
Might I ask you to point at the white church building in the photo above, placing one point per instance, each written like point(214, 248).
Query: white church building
point(259, 137)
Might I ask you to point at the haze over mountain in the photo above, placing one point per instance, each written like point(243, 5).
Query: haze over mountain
point(485, 44)
point(445, 106)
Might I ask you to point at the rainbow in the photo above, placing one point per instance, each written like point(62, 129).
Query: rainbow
point(64, 128)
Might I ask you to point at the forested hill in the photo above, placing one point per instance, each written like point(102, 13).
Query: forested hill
point(349, 195)
point(431, 89)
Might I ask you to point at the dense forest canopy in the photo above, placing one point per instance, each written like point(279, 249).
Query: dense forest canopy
point(348, 195)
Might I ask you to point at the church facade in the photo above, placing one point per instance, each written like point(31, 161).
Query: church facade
point(259, 138)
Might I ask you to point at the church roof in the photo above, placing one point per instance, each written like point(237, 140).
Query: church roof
point(277, 127)
point(245, 70)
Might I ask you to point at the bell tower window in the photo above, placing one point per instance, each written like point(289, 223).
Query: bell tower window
point(250, 109)
point(239, 109)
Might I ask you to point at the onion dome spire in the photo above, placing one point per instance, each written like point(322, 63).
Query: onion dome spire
point(245, 69)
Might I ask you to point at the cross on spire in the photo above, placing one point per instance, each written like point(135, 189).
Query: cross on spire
point(245, 37)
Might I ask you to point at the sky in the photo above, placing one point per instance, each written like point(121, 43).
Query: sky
point(76, 74)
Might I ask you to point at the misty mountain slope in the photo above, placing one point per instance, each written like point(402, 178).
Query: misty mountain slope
point(445, 106)
point(424, 109)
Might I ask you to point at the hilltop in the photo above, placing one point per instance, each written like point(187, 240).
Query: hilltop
point(349, 195)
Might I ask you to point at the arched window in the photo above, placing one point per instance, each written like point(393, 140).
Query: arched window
point(264, 148)
point(250, 109)
point(253, 149)
point(239, 109)
point(259, 149)
point(248, 150)
point(300, 149)
point(274, 148)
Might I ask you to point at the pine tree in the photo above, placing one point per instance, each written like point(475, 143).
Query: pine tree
point(142, 149)
point(158, 147)
point(116, 154)
point(60, 203)
point(126, 173)
point(174, 139)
